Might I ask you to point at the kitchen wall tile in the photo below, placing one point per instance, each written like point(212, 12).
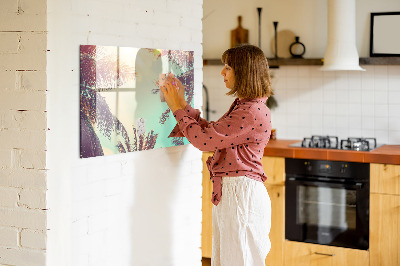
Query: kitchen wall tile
point(342, 122)
point(380, 71)
point(316, 72)
point(381, 110)
point(394, 110)
point(394, 82)
point(328, 74)
point(342, 96)
point(329, 93)
point(369, 70)
point(367, 110)
point(317, 120)
point(317, 95)
point(316, 82)
point(291, 71)
point(317, 108)
point(381, 84)
point(355, 96)
point(367, 133)
point(394, 97)
point(329, 122)
point(292, 82)
point(367, 82)
point(304, 72)
point(381, 97)
point(342, 133)
point(368, 122)
point(394, 123)
point(367, 96)
point(342, 109)
point(354, 80)
point(304, 109)
point(393, 71)
point(381, 123)
point(394, 137)
point(355, 132)
point(308, 97)
point(303, 82)
point(342, 80)
point(329, 109)
point(354, 122)
point(293, 120)
point(355, 109)
point(317, 131)
point(381, 136)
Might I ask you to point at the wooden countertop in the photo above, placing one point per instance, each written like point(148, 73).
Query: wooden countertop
point(389, 154)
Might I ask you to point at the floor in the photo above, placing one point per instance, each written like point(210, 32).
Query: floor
point(206, 261)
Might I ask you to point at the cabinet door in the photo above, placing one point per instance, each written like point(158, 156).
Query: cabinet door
point(304, 254)
point(385, 178)
point(384, 230)
point(274, 168)
point(277, 233)
point(206, 232)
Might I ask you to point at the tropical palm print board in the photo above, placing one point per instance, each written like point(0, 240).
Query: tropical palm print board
point(121, 107)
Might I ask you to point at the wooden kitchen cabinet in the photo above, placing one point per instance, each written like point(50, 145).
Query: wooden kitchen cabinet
point(206, 225)
point(385, 215)
point(385, 178)
point(277, 233)
point(384, 236)
point(305, 254)
point(274, 168)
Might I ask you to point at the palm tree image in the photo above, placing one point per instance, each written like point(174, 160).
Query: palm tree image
point(120, 106)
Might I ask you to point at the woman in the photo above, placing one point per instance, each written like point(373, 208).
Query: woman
point(242, 211)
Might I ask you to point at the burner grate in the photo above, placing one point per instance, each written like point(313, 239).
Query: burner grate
point(358, 144)
point(327, 142)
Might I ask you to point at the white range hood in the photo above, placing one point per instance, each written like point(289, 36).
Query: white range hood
point(341, 51)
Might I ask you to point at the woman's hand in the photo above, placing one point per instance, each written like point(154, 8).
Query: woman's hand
point(174, 93)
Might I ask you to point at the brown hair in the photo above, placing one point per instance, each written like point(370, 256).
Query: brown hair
point(250, 66)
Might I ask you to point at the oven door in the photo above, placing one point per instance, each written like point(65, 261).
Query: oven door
point(327, 213)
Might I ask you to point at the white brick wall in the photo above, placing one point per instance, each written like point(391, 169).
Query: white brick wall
point(23, 132)
point(141, 208)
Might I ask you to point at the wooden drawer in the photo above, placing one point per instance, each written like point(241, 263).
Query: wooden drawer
point(385, 178)
point(304, 254)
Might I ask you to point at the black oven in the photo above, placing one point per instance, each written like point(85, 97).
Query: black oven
point(327, 202)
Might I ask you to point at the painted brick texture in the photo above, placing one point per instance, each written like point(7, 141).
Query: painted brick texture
point(140, 208)
point(23, 218)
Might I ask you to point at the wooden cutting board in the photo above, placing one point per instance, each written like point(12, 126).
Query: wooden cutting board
point(239, 35)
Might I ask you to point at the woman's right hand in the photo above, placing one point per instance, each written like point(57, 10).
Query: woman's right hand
point(181, 91)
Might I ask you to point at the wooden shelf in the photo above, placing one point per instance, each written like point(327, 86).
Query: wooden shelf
point(380, 61)
point(274, 63)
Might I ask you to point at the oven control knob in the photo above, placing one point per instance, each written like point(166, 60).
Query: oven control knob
point(343, 168)
point(308, 166)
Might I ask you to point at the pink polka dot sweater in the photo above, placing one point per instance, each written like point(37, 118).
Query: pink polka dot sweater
point(238, 139)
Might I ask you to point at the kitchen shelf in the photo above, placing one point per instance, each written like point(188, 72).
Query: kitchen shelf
point(274, 63)
point(380, 61)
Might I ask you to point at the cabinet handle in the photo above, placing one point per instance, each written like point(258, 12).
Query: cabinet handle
point(324, 254)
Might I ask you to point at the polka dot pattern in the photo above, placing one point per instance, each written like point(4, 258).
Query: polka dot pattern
point(238, 139)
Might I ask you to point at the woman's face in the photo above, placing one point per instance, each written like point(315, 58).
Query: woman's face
point(229, 76)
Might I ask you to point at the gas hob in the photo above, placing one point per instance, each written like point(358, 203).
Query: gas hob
point(332, 142)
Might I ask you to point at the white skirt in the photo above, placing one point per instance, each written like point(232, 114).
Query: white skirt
point(241, 223)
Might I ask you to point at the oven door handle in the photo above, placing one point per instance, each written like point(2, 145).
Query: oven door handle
point(357, 185)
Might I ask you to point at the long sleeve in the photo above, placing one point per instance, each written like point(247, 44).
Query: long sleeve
point(230, 131)
point(193, 113)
